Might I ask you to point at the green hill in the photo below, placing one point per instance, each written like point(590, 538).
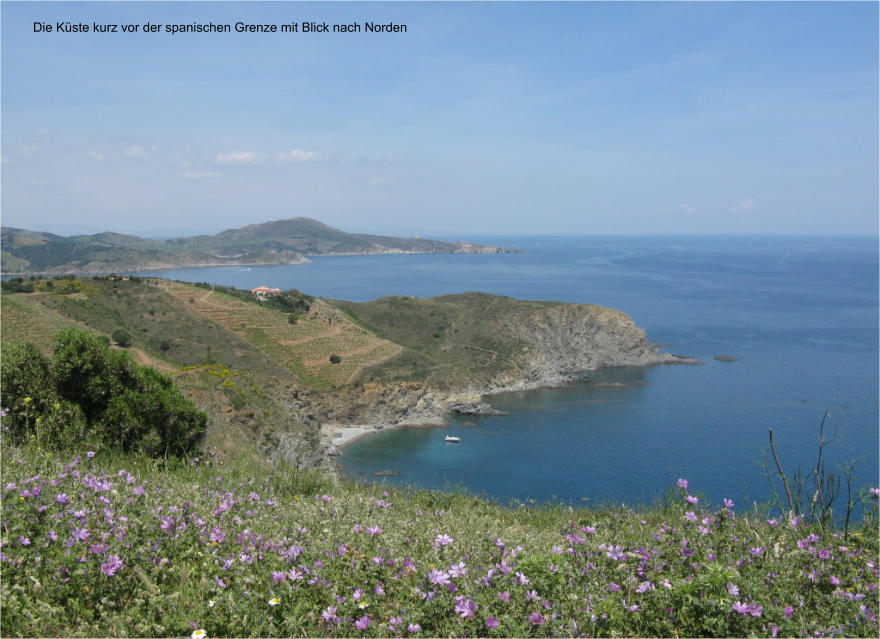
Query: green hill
point(276, 242)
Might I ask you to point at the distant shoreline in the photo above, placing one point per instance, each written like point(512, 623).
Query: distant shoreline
point(305, 260)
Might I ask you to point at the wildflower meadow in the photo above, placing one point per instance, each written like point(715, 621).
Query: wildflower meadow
point(124, 545)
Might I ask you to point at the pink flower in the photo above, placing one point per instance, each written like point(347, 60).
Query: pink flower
point(741, 608)
point(682, 483)
point(111, 566)
point(363, 623)
point(728, 503)
point(442, 540)
point(692, 500)
point(438, 577)
point(616, 553)
point(465, 608)
point(491, 622)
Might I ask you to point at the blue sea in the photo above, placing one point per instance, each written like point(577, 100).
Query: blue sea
point(799, 313)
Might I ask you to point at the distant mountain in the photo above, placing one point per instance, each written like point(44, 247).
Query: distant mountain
point(278, 242)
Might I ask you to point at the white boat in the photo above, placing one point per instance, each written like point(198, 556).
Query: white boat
point(450, 438)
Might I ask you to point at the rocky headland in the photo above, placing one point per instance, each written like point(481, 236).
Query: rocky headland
point(556, 345)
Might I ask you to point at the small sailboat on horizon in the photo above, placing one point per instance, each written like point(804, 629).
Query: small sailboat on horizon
point(451, 438)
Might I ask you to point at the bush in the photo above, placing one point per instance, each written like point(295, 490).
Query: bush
point(122, 337)
point(125, 405)
point(164, 346)
point(335, 359)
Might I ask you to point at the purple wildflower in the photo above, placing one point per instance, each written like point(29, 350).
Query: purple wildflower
point(465, 608)
point(728, 503)
point(111, 566)
point(363, 623)
point(413, 628)
point(374, 530)
point(438, 577)
point(491, 622)
point(442, 540)
point(644, 587)
point(741, 608)
point(616, 553)
point(536, 618)
point(682, 483)
point(692, 500)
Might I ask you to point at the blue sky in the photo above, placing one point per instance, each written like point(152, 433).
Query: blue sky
point(624, 118)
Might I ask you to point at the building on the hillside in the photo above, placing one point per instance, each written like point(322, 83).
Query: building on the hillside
point(264, 292)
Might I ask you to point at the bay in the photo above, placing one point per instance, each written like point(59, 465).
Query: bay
point(799, 313)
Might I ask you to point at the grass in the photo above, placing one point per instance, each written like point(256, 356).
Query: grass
point(450, 341)
point(223, 546)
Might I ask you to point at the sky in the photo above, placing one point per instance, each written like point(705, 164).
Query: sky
point(483, 118)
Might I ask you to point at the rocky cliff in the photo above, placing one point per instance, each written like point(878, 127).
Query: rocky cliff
point(557, 344)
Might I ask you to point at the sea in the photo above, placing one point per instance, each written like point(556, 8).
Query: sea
point(799, 314)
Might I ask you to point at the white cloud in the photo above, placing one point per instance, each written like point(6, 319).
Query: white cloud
point(747, 204)
point(196, 174)
point(135, 151)
point(96, 156)
point(381, 180)
point(239, 157)
point(299, 155)
point(28, 151)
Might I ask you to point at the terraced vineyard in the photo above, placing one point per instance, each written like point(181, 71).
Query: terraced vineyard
point(23, 317)
point(303, 348)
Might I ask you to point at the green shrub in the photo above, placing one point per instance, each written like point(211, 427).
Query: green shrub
point(125, 405)
point(122, 337)
point(335, 359)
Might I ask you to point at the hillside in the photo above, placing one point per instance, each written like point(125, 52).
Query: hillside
point(276, 242)
point(486, 342)
point(279, 383)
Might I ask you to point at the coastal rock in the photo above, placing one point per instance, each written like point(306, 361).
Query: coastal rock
point(566, 340)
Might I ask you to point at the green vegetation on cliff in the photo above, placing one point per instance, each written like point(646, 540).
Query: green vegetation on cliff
point(449, 341)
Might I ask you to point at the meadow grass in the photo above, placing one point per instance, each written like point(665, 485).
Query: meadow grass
point(107, 544)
